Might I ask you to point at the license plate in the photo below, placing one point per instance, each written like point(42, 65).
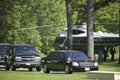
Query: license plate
point(87, 69)
point(28, 64)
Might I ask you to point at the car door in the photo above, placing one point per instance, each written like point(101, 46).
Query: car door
point(49, 60)
point(61, 61)
point(55, 61)
point(52, 60)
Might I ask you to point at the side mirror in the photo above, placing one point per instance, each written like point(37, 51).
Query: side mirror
point(39, 52)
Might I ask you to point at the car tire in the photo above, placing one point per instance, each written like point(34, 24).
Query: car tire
point(30, 68)
point(13, 68)
point(38, 68)
point(45, 68)
point(68, 69)
point(7, 67)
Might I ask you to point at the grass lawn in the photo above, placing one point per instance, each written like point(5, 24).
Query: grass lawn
point(26, 75)
point(23, 75)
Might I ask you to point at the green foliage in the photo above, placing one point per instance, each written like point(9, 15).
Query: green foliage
point(51, 16)
point(106, 14)
point(19, 19)
point(108, 18)
point(80, 10)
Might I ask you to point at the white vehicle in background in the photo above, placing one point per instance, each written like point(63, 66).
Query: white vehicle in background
point(79, 35)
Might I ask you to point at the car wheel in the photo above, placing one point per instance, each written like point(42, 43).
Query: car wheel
point(30, 68)
point(7, 67)
point(38, 68)
point(68, 69)
point(45, 68)
point(13, 68)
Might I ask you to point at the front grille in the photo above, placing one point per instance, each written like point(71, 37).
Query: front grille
point(28, 59)
point(2, 57)
point(86, 64)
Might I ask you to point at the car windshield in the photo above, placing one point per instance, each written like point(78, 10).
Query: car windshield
point(25, 50)
point(3, 48)
point(77, 56)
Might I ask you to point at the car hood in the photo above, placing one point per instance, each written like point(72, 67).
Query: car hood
point(27, 54)
point(82, 61)
point(2, 53)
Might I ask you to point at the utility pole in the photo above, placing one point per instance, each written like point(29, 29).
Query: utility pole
point(69, 24)
point(90, 38)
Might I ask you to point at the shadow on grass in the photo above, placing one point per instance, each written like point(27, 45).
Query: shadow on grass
point(110, 63)
point(19, 70)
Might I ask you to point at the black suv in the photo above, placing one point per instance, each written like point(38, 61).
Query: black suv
point(22, 55)
point(3, 47)
point(68, 61)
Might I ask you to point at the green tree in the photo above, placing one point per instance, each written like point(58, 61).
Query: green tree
point(107, 18)
point(15, 15)
point(80, 8)
point(19, 19)
point(6, 9)
point(51, 16)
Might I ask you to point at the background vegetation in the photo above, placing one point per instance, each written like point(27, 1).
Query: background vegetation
point(38, 22)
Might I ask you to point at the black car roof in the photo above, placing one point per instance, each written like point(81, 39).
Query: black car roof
point(4, 44)
point(22, 45)
point(67, 51)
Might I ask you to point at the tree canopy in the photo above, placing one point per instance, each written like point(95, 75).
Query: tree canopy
point(106, 14)
point(38, 22)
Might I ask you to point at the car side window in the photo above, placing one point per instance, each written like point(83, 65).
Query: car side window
point(56, 55)
point(62, 55)
point(50, 55)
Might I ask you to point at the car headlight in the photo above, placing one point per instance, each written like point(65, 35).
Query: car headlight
point(75, 64)
point(95, 64)
point(37, 58)
point(18, 59)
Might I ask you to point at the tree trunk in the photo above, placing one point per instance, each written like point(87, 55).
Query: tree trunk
point(119, 37)
point(90, 41)
point(69, 24)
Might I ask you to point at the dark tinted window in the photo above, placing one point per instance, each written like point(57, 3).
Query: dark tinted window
point(52, 54)
point(25, 49)
point(75, 32)
point(60, 39)
point(3, 48)
point(76, 56)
